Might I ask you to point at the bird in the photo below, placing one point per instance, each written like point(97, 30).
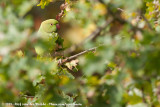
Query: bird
point(47, 37)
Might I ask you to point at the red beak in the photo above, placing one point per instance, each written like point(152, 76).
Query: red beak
point(57, 26)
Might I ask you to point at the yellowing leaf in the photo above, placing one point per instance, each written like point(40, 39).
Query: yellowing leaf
point(101, 8)
point(72, 64)
point(44, 3)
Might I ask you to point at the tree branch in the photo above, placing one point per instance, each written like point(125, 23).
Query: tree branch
point(28, 96)
point(68, 59)
point(121, 20)
point(146, 20)
point(143, 95)
point(91, 37)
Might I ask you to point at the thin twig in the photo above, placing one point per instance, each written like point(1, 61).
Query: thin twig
point(140, 15)
point(143, 96)
point(91, 37)
point(29, 96)
point(63, 61)
point(98, 30)
point(146, 20)
point(121, 20)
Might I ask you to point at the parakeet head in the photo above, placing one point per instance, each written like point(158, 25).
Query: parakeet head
point(50, 25)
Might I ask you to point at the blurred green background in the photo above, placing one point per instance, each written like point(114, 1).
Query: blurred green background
point(123, 71)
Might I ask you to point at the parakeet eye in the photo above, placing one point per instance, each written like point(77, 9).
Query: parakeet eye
point(51, 24)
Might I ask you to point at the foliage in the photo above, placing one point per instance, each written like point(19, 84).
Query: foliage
point(123, 69)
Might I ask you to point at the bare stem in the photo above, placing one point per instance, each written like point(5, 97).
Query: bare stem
point(91, 37)
point(63, 61)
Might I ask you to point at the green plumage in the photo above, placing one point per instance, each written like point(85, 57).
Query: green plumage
point(47, 37)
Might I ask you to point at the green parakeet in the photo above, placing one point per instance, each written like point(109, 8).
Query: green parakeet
point(47, 37)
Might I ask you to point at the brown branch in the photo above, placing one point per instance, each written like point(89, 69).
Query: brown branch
point(143, 95)
point(140, 15)
point(28, 96)
point(91, 37)
point(68, 59)
point(62, 8)
point(146, 20)
point(98, 30)
point(117, 17)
